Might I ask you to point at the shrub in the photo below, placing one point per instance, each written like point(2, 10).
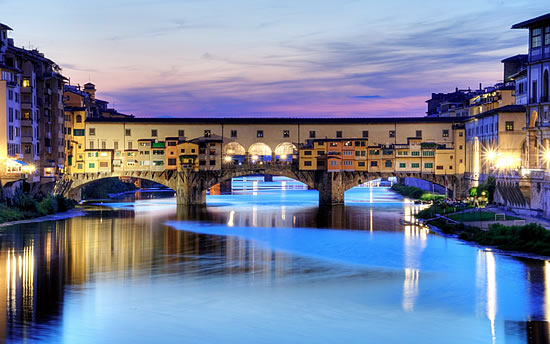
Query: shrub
point(48, 205)
point(24, 201)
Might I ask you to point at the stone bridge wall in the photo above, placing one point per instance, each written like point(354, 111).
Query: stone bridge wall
point(191, 186)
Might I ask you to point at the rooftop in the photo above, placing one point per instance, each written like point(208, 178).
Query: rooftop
point(507, 108)
point(5, 27)
point(545, 18)
point(278, 120)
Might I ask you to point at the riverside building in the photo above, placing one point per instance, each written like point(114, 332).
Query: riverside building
point(31, 115)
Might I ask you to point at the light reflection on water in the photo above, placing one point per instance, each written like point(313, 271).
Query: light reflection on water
point(265, 266)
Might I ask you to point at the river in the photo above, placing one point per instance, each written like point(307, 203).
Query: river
point(262, 265)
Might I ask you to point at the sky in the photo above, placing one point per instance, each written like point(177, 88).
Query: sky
point(279, 58)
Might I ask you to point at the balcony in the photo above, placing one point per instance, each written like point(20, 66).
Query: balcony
point(26, 105)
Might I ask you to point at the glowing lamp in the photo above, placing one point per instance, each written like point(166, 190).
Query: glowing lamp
point(228, 158)
point(283, 156)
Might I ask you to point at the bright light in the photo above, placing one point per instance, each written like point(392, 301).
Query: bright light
point(283, 156)
point(490, 155)
point(547, 156)
point(228, 158)
point(254, 157)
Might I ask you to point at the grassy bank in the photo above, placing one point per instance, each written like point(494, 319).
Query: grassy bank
point(24, 206)
point(417, 193)
point(531, 238)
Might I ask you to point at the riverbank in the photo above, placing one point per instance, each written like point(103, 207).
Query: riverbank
point(529, 238)
point(417, 193)
point(25, 206)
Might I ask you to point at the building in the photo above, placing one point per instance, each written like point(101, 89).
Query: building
point(31, 112)
point(494, 142)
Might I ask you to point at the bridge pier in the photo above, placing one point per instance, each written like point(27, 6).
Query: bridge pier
point(191, 195)
point(331, 188)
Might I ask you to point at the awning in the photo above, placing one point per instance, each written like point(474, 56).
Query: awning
point(22, 163)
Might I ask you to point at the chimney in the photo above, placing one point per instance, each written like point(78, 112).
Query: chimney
point(480, 86)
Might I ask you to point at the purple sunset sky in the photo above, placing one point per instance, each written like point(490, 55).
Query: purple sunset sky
point(276, 58)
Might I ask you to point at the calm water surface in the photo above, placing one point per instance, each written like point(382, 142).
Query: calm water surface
point(263, 265)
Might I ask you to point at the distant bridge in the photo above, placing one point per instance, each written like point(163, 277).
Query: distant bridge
point(191, 186)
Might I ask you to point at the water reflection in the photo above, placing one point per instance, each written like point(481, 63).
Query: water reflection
point(382, 277)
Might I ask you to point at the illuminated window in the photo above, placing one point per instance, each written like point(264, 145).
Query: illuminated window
point(286, 133)
point(510, 126)
point(26, 83)
point(207, 133)
point(259, 133)
point(445, 132)
point(392, 133)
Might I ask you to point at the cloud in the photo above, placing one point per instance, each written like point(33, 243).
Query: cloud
point(395, 72)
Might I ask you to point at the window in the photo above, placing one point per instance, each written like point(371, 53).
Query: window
point(11, 114)
point(387, 152)
point(428, 153)
point(130, 144)
point(445, 133)
point(419, 133)
point(460, 147)
point(181, 133)
point(312, 134)
point(374, 152)
point(374, 164)
point(154, 132)
point(547, 35)
point(307, 163)
point(333, 163)
point(428, 165)
point(103, 145)
point(361, 163)
point(339, 133)
point(26, 82)
point(171, 162)
point(78, 119)
point(415, 165)
point(91, 131)
point(402, 165)
point(259, 133)
point(69, 131)
point(171, 143)
point(439, 167)
point(128, 132)
point(392, 133)
point(510, 126)
point(115, 145)
point(348, 162)
point(91, 165)
point(233, 133)
point(365, 134)
point(347, 152)
point(460, 133)
point(536, 38)
point(207, 133)
point(388, 163)
point(320, 163)
point(10, 95)
point(308, 152)
point(78, 132)
point(91, 144)
point(158, 163)
point(286, 133)
point(103, 164)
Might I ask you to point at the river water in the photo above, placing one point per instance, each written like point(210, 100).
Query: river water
point(262, 265)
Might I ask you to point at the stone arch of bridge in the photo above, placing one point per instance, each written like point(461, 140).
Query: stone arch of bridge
point(306, 178)
point(353, 179)
point(260, 151)
point(81, 181)
point(233, 148)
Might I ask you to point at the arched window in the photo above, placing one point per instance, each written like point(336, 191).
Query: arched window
point(78, 119)
point(259, 152)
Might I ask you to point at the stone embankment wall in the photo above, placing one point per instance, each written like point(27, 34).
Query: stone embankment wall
point(424, 185)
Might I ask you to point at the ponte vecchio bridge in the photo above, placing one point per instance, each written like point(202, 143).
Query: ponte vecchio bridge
point(331, 155)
